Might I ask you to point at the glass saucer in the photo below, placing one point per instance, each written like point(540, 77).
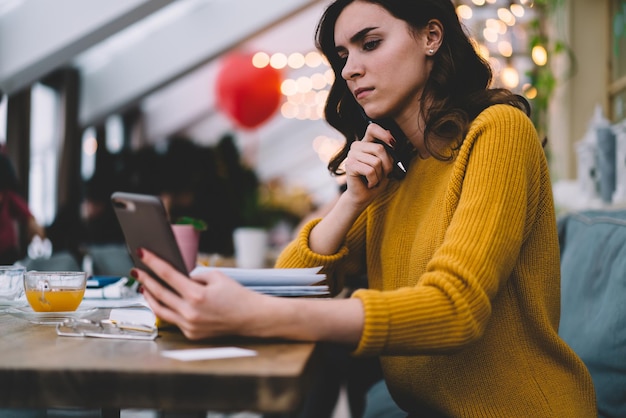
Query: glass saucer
point(8, 304)
point(48, 318)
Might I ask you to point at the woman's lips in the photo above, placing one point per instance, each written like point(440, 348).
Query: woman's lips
point(362, 92)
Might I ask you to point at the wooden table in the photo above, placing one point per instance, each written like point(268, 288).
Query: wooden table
point(40, 369)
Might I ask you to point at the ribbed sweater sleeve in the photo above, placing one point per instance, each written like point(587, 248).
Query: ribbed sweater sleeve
point(348, 260)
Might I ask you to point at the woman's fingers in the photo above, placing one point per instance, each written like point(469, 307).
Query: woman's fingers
point(159, 309)
point(178, 281)
point(165, 295)
point(375, 131)
point(367, 168)
point(369, 160)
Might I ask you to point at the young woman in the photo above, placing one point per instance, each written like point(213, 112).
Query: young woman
point(461, 255)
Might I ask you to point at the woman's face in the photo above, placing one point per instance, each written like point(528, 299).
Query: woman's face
point(386, 65)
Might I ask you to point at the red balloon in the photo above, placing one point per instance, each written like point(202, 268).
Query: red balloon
point(247, 94)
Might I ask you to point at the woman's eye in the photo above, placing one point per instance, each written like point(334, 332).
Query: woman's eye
point(371, 45)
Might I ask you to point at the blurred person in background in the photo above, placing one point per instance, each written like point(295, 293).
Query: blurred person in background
point(14, 214)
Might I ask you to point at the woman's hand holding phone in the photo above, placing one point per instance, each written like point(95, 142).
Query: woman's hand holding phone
point(210, 305)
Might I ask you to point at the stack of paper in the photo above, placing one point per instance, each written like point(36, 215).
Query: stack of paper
point(277, 282)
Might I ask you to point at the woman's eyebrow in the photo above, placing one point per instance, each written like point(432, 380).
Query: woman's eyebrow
point(357, 37)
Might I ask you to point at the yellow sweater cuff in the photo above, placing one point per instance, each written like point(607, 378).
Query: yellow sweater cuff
point(376, 327)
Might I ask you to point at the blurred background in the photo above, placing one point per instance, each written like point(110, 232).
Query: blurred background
point(216, 105)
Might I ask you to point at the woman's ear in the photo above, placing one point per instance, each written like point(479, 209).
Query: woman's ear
point(434, 36)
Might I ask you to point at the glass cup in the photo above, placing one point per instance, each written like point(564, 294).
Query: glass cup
point(11, 284)
point(54, 291)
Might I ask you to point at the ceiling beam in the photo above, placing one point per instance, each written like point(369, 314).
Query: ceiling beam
point(38, 36)
point(209, 30)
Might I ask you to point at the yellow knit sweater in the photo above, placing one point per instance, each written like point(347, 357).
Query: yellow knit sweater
point(463, 265)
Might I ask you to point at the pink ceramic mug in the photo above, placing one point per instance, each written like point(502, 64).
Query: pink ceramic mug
point(188, 240)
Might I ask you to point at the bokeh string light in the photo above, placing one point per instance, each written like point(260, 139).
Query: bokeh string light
point(499, 29)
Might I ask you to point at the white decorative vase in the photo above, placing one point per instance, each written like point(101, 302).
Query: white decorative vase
point(250, 247)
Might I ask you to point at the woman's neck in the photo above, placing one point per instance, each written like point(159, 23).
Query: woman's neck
point(412, 124)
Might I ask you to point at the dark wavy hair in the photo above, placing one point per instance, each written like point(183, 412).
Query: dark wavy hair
point(456, 91)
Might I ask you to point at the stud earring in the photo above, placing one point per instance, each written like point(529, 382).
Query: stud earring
point(431, 51)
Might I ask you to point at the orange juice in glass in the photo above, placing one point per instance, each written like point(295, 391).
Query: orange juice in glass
point(54, 291)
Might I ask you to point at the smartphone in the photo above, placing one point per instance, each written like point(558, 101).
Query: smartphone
point(145, 224)
point(401, 153)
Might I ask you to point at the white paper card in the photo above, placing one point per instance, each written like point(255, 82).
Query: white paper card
point(208, 353)
point(133, 316)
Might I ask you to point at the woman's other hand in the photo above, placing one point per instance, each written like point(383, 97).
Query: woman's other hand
point(368, 164)
point(367, 167)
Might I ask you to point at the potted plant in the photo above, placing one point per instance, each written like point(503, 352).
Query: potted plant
point(273, 202)
point(198, 224)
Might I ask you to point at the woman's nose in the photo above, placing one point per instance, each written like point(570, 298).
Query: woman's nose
point(351, 69)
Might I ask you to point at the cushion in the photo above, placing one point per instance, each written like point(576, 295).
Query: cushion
point(380, 404)
point(110, 260)
point(58, 261)
point(593, 300)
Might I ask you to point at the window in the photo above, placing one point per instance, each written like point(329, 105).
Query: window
point(44, 157)
point(114, 134)
point(3, 120)
point(88, 159)
point(617, 89)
